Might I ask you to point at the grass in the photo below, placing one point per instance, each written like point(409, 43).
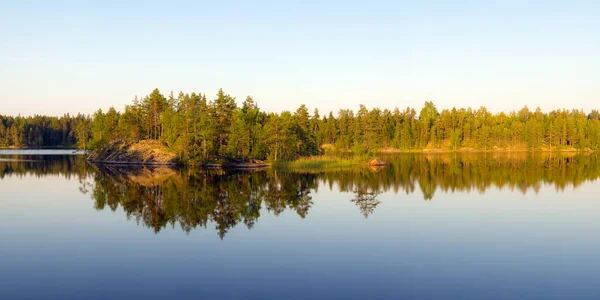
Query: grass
point(321, 162)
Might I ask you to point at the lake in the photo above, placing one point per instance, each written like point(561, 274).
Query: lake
point(478, 226)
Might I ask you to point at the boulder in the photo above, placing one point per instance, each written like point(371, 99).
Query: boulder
point(376, 162)
point(145, 152)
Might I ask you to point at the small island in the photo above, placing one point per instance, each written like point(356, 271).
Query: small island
point(154, 153)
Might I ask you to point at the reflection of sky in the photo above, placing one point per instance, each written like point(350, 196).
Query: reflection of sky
point(494, 245)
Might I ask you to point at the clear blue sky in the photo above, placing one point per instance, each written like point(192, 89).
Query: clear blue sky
point(77, 56)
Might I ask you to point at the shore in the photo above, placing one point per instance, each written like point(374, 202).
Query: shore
point(471, 150)
point(248, 166)
point(153, 153)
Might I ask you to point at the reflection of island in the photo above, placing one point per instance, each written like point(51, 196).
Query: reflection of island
point(191, 198)
point(145, 176)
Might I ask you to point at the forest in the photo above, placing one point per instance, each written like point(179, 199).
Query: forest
point(201, 130)
point(44, 131)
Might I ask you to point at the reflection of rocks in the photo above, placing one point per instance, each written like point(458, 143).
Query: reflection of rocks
point(142, 175)
point(376, 168)
point(153, 176)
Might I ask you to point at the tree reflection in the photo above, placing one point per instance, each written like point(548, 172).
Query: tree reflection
point(192, 198)
point(156, 197)
point(366, 201)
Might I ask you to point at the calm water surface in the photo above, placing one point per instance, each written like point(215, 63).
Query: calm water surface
point(426, 226)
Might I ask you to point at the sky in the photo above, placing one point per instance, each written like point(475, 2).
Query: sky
point(78, 56)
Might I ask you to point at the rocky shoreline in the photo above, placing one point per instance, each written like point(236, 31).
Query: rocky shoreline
point(146, 152)
point(154, 153)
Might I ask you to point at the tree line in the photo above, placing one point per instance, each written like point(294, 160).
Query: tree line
point(44, 131)
point(199, 129)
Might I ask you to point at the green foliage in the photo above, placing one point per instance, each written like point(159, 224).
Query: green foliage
point(202, 130)
point(323, 162)
point(45, 132)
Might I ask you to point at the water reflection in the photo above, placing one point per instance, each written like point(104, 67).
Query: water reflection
point(366, 201)
point(43, 165)
point(192, 198)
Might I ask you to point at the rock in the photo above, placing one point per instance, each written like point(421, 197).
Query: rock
point(376, 162)
point(146, 152)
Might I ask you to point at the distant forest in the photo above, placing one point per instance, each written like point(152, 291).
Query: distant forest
point(199, 129)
